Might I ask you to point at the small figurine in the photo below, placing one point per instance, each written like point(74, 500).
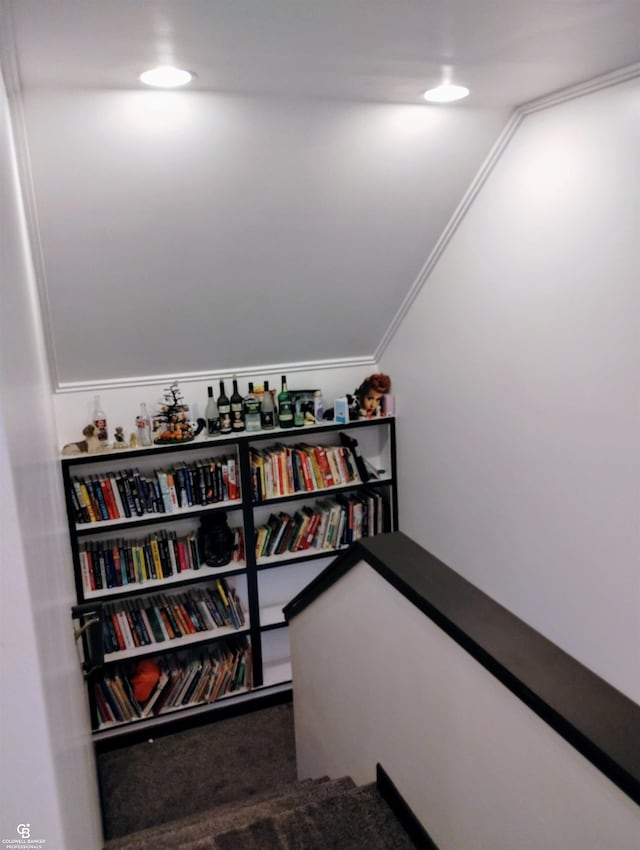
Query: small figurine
point(120, 442)
point(369, 395)
point(90, 444)
point(133, 440)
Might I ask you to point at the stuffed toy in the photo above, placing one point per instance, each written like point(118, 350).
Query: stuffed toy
point(90, 444)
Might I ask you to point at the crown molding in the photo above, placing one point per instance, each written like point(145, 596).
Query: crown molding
point(604, 81)
point(447, 234)
point(249, 372)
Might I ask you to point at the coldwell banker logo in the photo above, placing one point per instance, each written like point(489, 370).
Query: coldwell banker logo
point(25, 842)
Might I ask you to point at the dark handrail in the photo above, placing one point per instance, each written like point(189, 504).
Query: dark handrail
point(595, 718)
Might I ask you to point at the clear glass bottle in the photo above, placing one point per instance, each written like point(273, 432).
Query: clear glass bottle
point(318, 405)
point(285, 406)
point(252, 410)
point(267, 409)
point(100, 421)
point(143, 424)
point(224, 409)
point(212, 415)
point(237, 408)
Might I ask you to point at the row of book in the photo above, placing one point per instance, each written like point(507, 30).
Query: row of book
point(283, 470)
point(133, 623)
point(107, 564)
point(331, 523)
point(184, 681)
point(128, 493)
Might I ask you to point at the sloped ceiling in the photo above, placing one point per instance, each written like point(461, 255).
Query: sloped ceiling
point(280, 210)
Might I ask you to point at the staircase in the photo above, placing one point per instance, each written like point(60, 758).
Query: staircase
point(315, 814)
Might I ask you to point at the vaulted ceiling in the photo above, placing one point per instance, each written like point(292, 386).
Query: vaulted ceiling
point(280, 209)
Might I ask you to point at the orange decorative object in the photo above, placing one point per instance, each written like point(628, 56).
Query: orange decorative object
point(145, 679)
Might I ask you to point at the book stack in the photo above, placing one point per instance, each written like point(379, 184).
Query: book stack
point(283, 470)
point(128, 493)
point(213, 673)
point(133, 623)
point(107, 564)
point(329, 523)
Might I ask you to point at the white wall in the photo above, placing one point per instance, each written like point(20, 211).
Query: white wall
point(517, 367)
point(375, 680)
point(47, 775)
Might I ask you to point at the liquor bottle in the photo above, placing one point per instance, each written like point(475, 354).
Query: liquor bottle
point(252, 410)
point(267, 408)
point(298, 413)
point(144, 426)
point(212, 415)
point(237, 408)
point(224, 409)
point(318, 405)
point(100, 421)
point(285, 406)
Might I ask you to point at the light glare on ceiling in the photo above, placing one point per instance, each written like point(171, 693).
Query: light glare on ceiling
point(166, 77)
point(446, 93)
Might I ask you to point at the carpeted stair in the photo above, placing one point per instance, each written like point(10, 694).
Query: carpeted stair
point(321, 814)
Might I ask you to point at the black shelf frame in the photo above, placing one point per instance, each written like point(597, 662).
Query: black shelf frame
point(241, 443)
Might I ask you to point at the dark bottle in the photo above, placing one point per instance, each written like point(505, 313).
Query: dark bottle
point(224, 409)
point(267, 408)
point(212, 415)
point(237, 408)
point(252, 410)
point(285, 406)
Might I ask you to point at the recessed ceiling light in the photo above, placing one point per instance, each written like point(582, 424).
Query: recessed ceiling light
point(166, 77)
point(446, 93)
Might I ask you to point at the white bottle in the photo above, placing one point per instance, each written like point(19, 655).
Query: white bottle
point(100, 421)
point(144, 426)
point(267, 409)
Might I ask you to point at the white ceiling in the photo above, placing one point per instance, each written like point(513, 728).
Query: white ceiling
point(327, 181)
point(507, 51)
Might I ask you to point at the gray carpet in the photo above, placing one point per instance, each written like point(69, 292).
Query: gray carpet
point(319, 814)
point(179, 775)
point(231, 785)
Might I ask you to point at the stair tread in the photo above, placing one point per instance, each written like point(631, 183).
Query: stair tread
point(202, 826)
point(359, 819)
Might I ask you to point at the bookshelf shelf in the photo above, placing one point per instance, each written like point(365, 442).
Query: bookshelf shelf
point(173, 645)
point(90, 528)
point(277, 672)
point(266, 563)
point(251, 661)
point(185, 578)
point(324, 491)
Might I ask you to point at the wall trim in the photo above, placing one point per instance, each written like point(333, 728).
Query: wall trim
point(447, 234)
point(603, 81)
point(368, 362)
point(401, 809)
